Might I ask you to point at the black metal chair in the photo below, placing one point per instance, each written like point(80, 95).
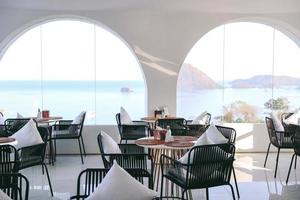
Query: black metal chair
point(177, 125)
point(208, 166)
point(12, 125)
point(35, 155)
point(134, 131)
point(296, 146)
point(132, 157)
point(65, 130)
point(198, 129)
point(15, 185)
point(279, 139)
point(92, 177)
point(9, 159)
point(230, 134)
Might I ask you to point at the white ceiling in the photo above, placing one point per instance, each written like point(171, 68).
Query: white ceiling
point(223, 6)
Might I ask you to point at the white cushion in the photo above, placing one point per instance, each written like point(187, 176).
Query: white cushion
point(19, 115)
point(119, 185)
point(202, 140)
point(215, 135)
point(2, 119)
point(293, 119)
point(28, 135)
point(78, 118)
point(109, 145)
point(200, 119)
point(3, 196)
point(277, 123)
point(125, 118)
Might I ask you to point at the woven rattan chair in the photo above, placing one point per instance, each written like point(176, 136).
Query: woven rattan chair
point(132, 157)
point(279, 139)
point(207, 166)
point(12, 125)
point(90, 178)
point(177, 125)
point(296, 146)
point(66, 130)
point(134, 131)
point(35, 155)
point(15, 185)
point(198, 129)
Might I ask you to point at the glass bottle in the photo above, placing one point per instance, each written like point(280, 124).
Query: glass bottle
point(169, 137)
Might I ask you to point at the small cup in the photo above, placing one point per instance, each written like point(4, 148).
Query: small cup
point(45, 113)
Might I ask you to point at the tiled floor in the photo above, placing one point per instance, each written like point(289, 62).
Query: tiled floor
point(255, 182)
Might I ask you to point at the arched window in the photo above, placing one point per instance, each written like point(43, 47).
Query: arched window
point(238, 72)
point(67, 66)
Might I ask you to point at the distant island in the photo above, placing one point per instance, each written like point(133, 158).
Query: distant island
point(265, 81)
point(126, 89)
point(191, 79)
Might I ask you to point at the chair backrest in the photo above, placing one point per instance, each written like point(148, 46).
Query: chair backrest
point(8, 159)
point(296, 140)
point(12, 125)
point(88, 180)
point(35, 154)
point(271, 131)
point(211, 165)
point(101, 148)
point(15, 185)
point(177, 125)
point(228, 133)
point(118, 119)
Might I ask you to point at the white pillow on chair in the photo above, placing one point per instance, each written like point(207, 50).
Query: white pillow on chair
point(28, 135)
point(277, 123)
point(202, 140)
point(215, 135)
point(3, 196)
point(109, 144)
point(199, 119)
point(78, 118)
point(125, 118)
point(119, 185)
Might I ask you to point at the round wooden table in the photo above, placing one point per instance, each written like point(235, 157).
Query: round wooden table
point(175, 149)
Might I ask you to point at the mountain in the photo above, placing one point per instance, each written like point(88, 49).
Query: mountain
point(191, 79)
point(265, 81)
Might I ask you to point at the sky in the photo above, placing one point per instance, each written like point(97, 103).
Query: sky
point(247, 51)
point(70, 50)
point(66, 50)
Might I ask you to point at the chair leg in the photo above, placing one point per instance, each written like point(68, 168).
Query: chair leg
point(43, 170)
point(236, 185)
point(182, 194)
point(295, 163)
point(48, 177)
point(207, 194)
point(288, 176)
point(232, 191)
point(83, 146)
point(276, 162)
point(267, 155)
point(161, 186)
point(80, 151)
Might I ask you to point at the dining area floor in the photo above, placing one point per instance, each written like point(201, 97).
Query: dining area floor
point(254, 181)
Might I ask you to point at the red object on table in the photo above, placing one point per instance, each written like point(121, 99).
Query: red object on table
point(45, 113)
